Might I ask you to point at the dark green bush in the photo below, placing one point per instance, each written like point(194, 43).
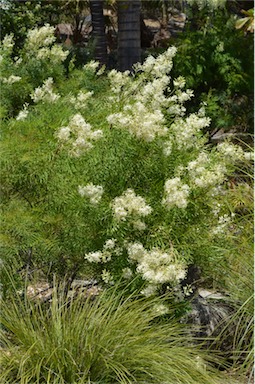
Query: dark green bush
point(217, 62)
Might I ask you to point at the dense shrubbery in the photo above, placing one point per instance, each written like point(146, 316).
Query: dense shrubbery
point(105, 174)
point(130, 189)
point(217, 61)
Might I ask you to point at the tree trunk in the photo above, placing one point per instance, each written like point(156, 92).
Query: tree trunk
point(98, 33)
point(129, 33)
point(165, 18)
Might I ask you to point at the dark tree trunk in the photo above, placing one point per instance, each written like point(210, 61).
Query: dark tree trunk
point(146, 34)
point(98, 33)
point(165, 17)
point(129, 33)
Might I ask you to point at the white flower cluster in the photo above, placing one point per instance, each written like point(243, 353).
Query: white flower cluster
point(7, 44)
point(187, 290)
point(157, 67)
point(101, 70)
point(176, 193)
point(249, 156)
point(176, 109)
point(11, 79)
point(40, 37)
point(17, 61)
point(176, 101)
point(216, 209)
point(140, 121)
point(150, 290)
point(160, 309)
point(156, 266)
point(105, 255)
point(91, 191)
point(22, 115)
point(55, 55)
point(79, 135)
point(118, 80)
point(167, 148)
point(185, 130)
point(230, 151)
point(131, 205)
point(223, 224)
point(216, 191)
point(45, 92)
point(205, 171)
point(182, 97)
point(40, 40)
point(153, 93)
point(80, 100)
point(149, 87)
point(107, 277)
point(145, 97)
point(97, 257)
point(179, 82)
point(127, 273)
point(91, 66)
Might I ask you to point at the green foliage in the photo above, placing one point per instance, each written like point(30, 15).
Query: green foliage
point(17, 17)
point(239, 278)
point(217, 62)
point(41, 207)
point(105, 340)
point(43, 211)
point(108, 176)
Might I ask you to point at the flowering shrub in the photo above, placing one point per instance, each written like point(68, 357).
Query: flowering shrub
point(125, 187)
point(39, 60)
point(151, 109)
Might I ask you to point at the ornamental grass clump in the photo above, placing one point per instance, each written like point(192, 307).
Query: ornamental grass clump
point(106, 339)
point(239, 281)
